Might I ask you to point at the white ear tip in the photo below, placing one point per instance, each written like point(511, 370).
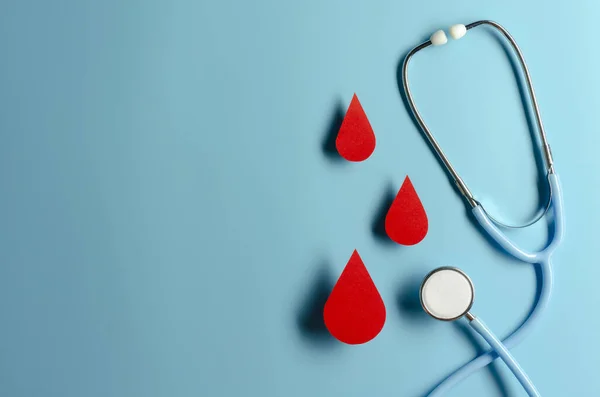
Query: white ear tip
point(457, 31)
point(438, 38)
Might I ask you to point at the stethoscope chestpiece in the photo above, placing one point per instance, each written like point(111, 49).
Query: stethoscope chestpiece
point(447, 294)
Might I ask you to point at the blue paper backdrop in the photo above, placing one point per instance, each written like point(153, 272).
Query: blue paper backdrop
point(171, 219)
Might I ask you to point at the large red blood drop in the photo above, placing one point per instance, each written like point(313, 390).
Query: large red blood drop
point(354, 312)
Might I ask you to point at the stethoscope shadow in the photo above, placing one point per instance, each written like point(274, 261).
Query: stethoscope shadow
point(409, 301)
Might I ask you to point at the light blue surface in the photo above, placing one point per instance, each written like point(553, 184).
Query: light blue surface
point(169, 219)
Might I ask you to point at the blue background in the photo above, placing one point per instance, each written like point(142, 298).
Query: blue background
point(171, 219)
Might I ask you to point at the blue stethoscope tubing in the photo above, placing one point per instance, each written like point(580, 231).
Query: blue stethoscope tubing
point(505, 355)
point(542, 259)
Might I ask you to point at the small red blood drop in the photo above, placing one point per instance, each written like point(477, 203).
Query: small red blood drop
point(406, 221)
point(354, 312)
point(355, 140)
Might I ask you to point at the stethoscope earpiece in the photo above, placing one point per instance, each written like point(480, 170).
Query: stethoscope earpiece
point(438, 38)
point(456, 32)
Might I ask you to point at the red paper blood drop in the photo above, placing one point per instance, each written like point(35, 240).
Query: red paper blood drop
point(355, 140)
point(354, 312)
point(406, 221)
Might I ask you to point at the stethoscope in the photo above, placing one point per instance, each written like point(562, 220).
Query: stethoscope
point(447, 293)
